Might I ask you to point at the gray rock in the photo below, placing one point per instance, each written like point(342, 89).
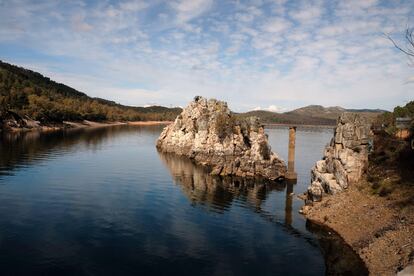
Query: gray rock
point(345, 158)
point(207, 132)
point(315, 191)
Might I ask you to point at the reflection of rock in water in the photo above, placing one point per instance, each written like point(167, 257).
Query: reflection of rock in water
point(340, 259)
point(218, 192)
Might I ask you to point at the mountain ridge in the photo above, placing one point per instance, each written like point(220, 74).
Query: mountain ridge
point(311, 115)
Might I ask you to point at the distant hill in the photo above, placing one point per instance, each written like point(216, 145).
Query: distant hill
point(310, 115)
point(319, 111)
point(27, 93)
point(269, 117)
point(368, 110)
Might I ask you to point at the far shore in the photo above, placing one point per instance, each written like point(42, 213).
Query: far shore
point(83, 124)
point(90, 124)
point(148, 123)
point(270, 125)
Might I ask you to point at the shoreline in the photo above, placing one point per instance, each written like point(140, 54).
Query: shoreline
point(379, 229)
point(297, 125)
point(148, 123)
point(66, 125)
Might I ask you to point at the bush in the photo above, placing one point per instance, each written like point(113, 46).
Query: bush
point(224, 124)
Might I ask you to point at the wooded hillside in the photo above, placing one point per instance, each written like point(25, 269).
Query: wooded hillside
point(28, 93)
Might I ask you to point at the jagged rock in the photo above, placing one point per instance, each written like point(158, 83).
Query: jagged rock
point(207, 132)
point(315, 191)
point(10, 119)
point(345, 159)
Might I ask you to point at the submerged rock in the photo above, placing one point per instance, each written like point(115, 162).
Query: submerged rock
point(208, 133)
point(345, 159)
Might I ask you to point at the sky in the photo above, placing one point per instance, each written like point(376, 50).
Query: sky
point(275, 55)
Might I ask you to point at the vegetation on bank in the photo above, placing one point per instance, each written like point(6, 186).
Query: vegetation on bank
point(391, 162)
point(30, 94)
point(386, 120)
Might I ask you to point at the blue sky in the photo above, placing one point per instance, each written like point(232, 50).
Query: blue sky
point(268, 54)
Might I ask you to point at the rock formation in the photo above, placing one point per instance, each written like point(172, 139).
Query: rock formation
point(10, 120)
point(208, 133)
point(345, 159)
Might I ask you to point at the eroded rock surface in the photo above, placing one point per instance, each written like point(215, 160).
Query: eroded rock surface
point(208, 133)
point(345, 159)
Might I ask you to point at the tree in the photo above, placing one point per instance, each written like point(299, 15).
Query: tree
point(408, 48)
point(2, 103)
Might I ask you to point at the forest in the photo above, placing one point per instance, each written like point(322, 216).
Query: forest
point(31, 94)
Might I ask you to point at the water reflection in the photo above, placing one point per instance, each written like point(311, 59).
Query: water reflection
point(340, 259)
point(289, 202)
point(218, 193)
point(19, 149)
point(72, 200)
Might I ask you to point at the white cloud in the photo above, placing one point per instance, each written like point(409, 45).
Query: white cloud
point(229, 51)
point(187, 10)
point(276, 25)
point(271, 108)
point(244, 17)
point(306, 14)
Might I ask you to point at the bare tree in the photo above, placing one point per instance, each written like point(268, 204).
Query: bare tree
point(408, 48)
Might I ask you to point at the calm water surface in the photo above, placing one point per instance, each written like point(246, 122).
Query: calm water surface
point(105, 202)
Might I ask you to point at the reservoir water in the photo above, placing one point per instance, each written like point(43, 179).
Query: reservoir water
point(105, 202)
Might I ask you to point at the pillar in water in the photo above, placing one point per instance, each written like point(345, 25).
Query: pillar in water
point(291, 174)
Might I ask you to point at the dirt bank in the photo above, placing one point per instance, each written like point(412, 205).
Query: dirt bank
point(379, 229)
point(375, 215)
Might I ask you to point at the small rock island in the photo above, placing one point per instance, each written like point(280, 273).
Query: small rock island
point(207, 132)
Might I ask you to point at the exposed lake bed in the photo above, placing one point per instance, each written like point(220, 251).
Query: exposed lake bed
point(103, 201)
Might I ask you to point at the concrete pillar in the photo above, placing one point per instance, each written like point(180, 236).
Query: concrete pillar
point(291, 174)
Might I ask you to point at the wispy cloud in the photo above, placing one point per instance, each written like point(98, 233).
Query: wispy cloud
point(271, 108)
point(189, 9)
point(274, 54)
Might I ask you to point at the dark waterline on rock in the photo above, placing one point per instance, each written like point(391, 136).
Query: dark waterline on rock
point(104, 202)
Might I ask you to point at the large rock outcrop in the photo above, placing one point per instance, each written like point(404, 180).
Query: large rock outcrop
point(345, 159)
point(208, 133)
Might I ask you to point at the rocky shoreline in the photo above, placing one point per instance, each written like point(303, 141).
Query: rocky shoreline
point(378, 227)
point(345, 160)
point(13, 122)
